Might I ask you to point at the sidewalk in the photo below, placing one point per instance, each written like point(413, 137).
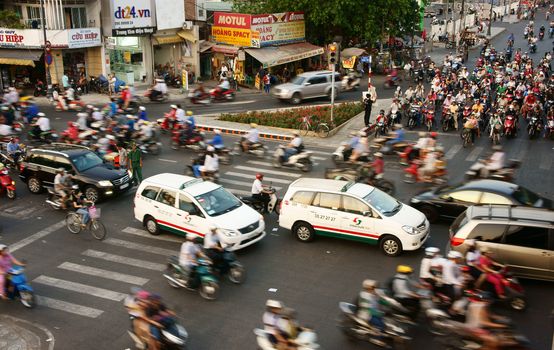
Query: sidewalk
point(18, 334)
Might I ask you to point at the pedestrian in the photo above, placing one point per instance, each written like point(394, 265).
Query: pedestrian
point(112, 80)
point(135, 159)
point(261, 75)
point(122, 151)
point(286, 75)
point(65, 81)
point(370, 98)
point(267, 83)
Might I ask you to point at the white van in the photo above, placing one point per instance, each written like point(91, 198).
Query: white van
point(352, 211)
point(183, 204)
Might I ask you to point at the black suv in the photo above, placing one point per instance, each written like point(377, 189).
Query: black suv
point(97, 179)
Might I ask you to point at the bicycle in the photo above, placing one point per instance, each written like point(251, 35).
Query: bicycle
point(94, 225)
point(320, 128)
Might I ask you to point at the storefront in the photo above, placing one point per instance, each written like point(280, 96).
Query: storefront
point(174, 51)
point(20, 68)
point(126, 59)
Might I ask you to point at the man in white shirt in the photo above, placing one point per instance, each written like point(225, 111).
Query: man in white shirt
point(43, 122)
point(295, 146)
point(211, 162)
point(452, 275)
point(180, 114)
point(426, 263)
point(251, 137)
point(189, 253)
point(97, 115)
point(12, 96)
point(259, 192)
point(271, 318)
point(59, 186)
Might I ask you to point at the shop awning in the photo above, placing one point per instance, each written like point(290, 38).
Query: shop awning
point(168, 39)
point(226, 49)
point(20, 57)
point(276, 55)
point(187, 35)
point(205, 45)
point(353, 51)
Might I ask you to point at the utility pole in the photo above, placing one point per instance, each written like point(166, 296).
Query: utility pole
point(46, 53)
point(490, 20)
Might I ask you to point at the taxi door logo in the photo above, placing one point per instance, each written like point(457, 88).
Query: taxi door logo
point(357, 221)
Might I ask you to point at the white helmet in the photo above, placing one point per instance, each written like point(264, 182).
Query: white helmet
point(454, 255)
point(142, 108)
point(217, 131)
point(210, 149)
point(431, 251)
point(273, 304)
point(369, 283)
point(2, 247)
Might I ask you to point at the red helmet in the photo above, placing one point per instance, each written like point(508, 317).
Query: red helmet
point(259, 176)
point(434, 134)
point(70, 124)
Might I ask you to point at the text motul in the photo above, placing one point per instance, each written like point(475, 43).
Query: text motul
point(232, 20)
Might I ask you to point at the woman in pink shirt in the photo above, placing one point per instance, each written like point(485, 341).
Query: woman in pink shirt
point(487, 265)
point(6, 262)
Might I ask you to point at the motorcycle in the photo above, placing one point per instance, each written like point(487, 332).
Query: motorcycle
point(392, 336)
point(203, 98)
point(413, 116)
point(18, 287)
point(257, 149)
point(151, 146)
point(196, 142)
point(54, 198)
point(541, 35)
point(167, 124)
point(505, 174)
point(306, 340)
point(7, 184)
point(532, 48)
point(212, 176)
point(360, 175)
point(162, 97)
point(273, 205)
point(73, 105)
point(380, 128)
point(411, 174)
point(380, 144)
point(429, 118)
point(513, 290)
point(447, 122)
point(391, 83)
point(217, 94)
point(350, 82)
point(203, 280)
point(48, 136)
point(40, 89)
point(171, 339)
point(342, 155)
point(10, 161)
point(231, 267)
point(534, 127)
point(509, 126)
point(301, 160)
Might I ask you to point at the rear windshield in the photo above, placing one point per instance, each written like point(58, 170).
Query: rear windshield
point(524, 196)
point(460, 222)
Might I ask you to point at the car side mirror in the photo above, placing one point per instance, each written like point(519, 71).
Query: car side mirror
point(446, 198)
point(306, 84)
point(367, 213)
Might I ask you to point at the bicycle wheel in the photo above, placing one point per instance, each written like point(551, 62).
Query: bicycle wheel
point(304, 128)
point(97, 229)
point(73, 222)
point(322, 130)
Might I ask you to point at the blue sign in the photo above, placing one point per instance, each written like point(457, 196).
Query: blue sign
point(364, 59)
point(48, 58)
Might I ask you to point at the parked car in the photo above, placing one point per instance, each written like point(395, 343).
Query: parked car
point(307, 85)
point(520, 237)
point(450, 201)
point(94, 177)
point(353, 211)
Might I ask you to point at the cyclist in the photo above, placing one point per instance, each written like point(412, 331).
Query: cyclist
point(80, 202)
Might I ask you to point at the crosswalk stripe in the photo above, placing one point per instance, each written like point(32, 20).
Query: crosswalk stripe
point(274, 172)
point(25, 212)
point(93, 271)
point(252, 176)
point(258, 162)
point(241, 183)
point(319, 158)
point(452, 151)
point(143, 233)
point(68, 307)
point(474, 154)
point(80, 288)
point(240, 192)
point(328, 153)
point(124, 260)
point(14, 209)
point(141, 247)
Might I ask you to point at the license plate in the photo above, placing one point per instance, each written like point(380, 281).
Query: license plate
point(124, 186)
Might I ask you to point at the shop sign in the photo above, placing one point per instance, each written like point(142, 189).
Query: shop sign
point(279, 28)
point(110, 42)
point(83, 37)
point(232, 36)
point(232, 20)
point(19, 38)
point(133, 17)
point(296, 57)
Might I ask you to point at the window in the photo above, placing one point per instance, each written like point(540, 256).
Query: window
point(353, 205)
point(167, 197)
point(487, 233)
point(327, 200)
point(218, 201)
point(317, 80)
point(86, 161)
point(527, 236)
point(526, 197)
point(466, 196)
point(186, 204)
point(78, 17)
point(46, 160)
point(150, 192)
point(493, 198)
point(63, 163)
point(303, 197)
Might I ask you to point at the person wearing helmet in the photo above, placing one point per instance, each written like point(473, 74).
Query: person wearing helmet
point(490, 272)
point(60, 186)
point(404, 289)
point(142, 114)
point(271, 319)
point(473, 254)
point(211, 163)
point(6, 262)
point(146, 132)
point(369, 307)
point(452, 279)
point(217, 141)
point(14, 150)
point(295, 146)
point(42, 124)
point(189, 254)
point(190, 119)
point(425, 273)
point(251, 137)
point(158, 90)
point(259, 192)
point(496, 161)
point(214, 248)
point(72, 132)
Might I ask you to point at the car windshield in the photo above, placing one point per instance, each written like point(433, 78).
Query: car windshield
point(297, 80)
point(86, 161)
point(218, 201)
point(384, 203)
point(526, 197)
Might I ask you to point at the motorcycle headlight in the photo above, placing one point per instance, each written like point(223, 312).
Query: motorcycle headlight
point(230, 233)
point(414, 200)
point(104, 183)
point(409, 229)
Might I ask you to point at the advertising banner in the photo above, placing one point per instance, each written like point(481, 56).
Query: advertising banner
point(232, 36)
point(348, 63)
point(32, 38)
point(170, 14)
point(83, 37)
point(133, 17)
point(232, 20)
point(279, 28)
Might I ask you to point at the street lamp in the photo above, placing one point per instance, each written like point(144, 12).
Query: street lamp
point(46, 52)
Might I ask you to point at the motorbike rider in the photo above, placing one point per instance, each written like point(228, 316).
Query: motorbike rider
point(369, 307)
point(217, 141)
point(82, 121)
point(224, 85)
point(214, 249)
point(189, 254)
point(7, 260)
point(472, 257)
point(142, 114)
point(251, 137)
point(211, 162)
point(452, 279)
point(14, 150)
point(190, 118)
point(378, 165)
point(199, 92)
point(42, 124)
point(259, 192)
point(81, 203)
point(472, 124)
point(495, 162)
point(72, 132)
point(159, 89)
point(271, 318)
point(295, 146)
point(425, 273)
point(171, 117)
point(488, 265)
point(60, 187)
point(361, 148)
point(404, 289)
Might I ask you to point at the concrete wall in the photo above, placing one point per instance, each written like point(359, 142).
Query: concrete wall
point(93, 58)
point(56, 68)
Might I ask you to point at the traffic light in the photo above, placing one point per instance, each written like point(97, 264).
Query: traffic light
point(332, 54)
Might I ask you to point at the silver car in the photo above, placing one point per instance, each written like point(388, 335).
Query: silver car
point(307, 85)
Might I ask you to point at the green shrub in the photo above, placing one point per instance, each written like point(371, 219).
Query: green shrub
point(291, 118)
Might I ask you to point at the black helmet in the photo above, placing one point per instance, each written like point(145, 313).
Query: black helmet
point(382, 111)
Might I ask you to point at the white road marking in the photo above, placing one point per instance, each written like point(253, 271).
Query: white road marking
point(35, 237)
point(68, 307)
point(274, 172)
point(140, 247)
point(320, 158)
point(452, 151)
point(167, 160)
point(14, 209)
point(252, 176)
point(93, 271)
point(474, 154)
point(124, 260)
point(143, 233)
point(242, 183)
point(328, 153)
point(80, 288)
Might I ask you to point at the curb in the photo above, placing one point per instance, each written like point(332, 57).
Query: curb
point(231, 131)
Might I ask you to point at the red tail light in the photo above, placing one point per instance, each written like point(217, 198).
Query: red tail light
point(21, 167)
point(455, 241)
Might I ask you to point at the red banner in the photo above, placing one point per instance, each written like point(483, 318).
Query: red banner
point(232, 20)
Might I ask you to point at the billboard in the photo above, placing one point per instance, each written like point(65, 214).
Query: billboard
point(232, 36)
point(170, 14)
point(83, 37)
point(133, 17)
point(232, 20)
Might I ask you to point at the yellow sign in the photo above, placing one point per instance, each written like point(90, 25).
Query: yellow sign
point(127, 56)
point(348, 63)
point(232, 36)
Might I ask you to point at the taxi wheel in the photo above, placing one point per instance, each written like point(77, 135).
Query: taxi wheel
point(391, 245)
point(303, 231)
point(152, 226)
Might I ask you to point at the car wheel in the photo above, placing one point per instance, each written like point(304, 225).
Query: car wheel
point(391, 245)
point(430, 213)
point(34, 185)
point(303, 231)
point(295, 99)
point(92, 194)
point(152, 226)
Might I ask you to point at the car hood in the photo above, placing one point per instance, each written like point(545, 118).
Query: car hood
point(409, 216)
point(238, 218)
point(103, 172)
point(425, 195)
